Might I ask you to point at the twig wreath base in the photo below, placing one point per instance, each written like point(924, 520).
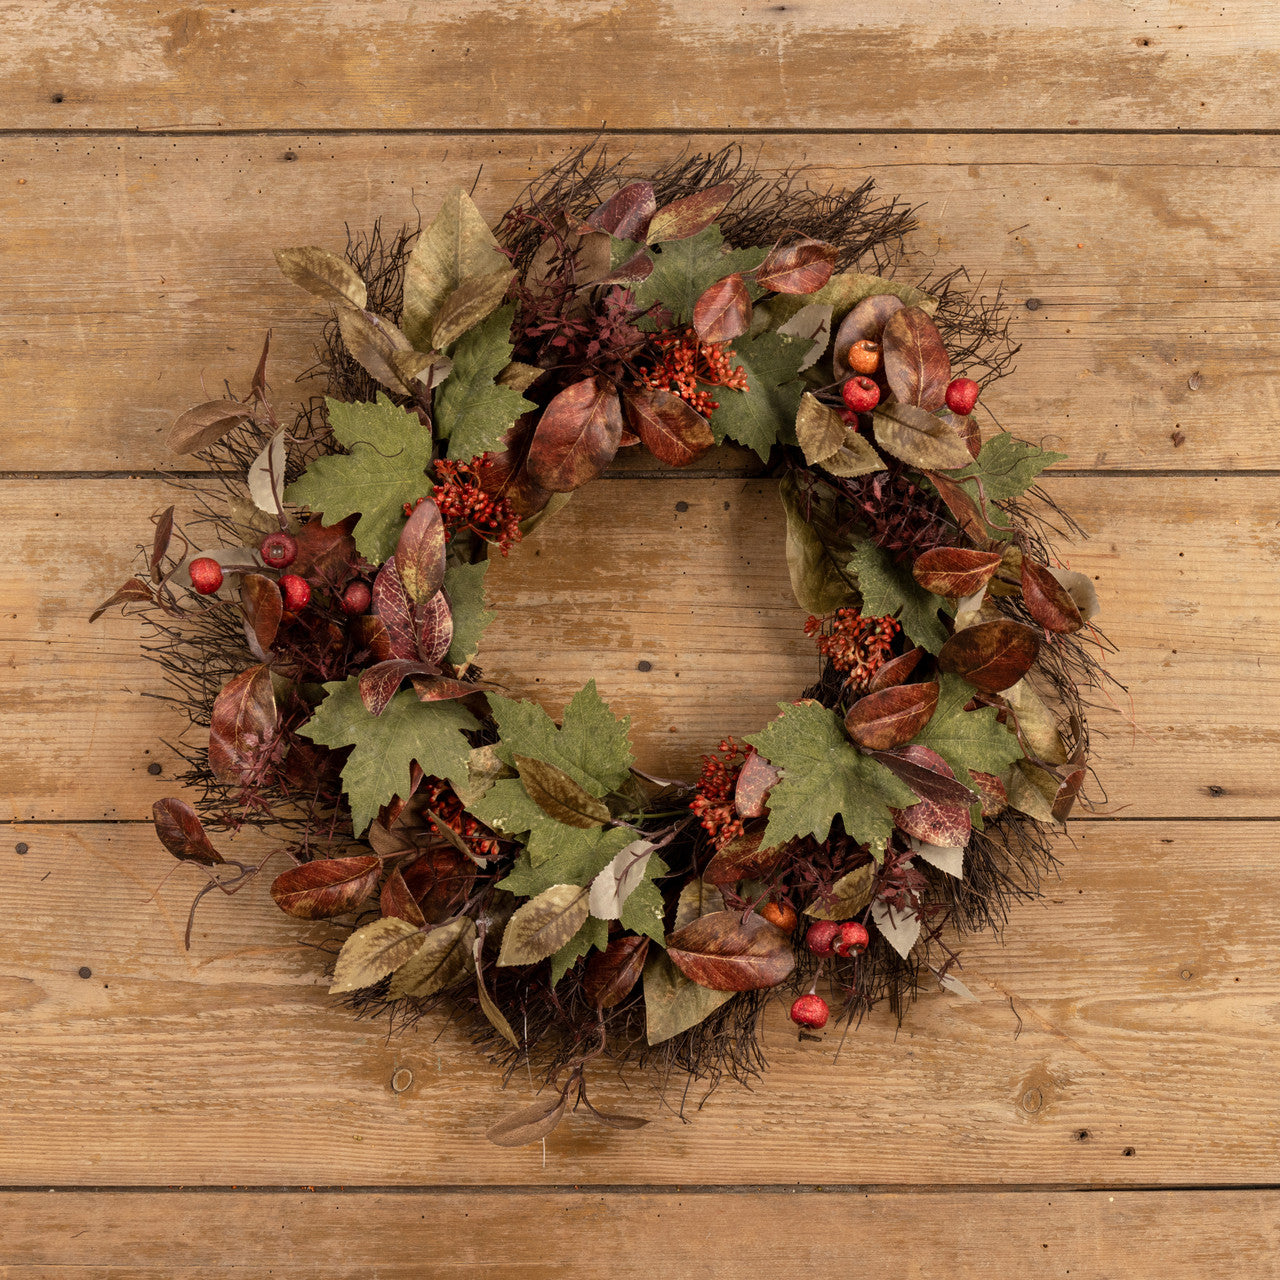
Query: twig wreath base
point(320, 621)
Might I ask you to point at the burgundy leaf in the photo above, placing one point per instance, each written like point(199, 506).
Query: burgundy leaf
point(243, 720)
point(895, 671)
point(955, 571)
point(506, 474)
point(626, 213)
point(638, 267)
point(611, 974)
point(263, 608)
point(443, 689)
point(724, 952)
point(916, 364)
point(370, 632)
point(690, 214)
point(182, 833)
point(673, 431)
point(393, 609)
point(420, 552)
point(925, 782)
point(379, 683)
point(206, 424)
point(865, 322)
point(887, 719)
point(991, 791)
point(160, 543)
point(577, 435)
point(327, 887)
point(803, 267)
point(1068, 791)
point(396, 900)
point(439, 882)
point(744, 859)
point(755, 780)
point(933, 821)
point(991, 655)
point(433, 620)
point(723, 311)
point(1047, 600)
point(394, 807)
point(133, 591)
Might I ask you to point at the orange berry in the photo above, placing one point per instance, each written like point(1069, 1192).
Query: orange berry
point(781, 914)
point(864, 356)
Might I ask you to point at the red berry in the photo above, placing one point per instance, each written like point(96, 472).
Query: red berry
point(861, 394)
point(296, 592)
point(356, 598)
point(851, 939)
point(279, 550)
point(206, 575)
point(781, 914)
point(820, 936)
point(962, 395)
point(810, 1011)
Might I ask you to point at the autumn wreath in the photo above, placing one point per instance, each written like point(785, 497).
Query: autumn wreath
point(322, 609)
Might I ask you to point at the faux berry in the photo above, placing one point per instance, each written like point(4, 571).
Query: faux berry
point(820, 937)
point(861, 394)
point(851, 939)
point(279, 550)
point(810, 1011)
point(962, 395)
point(864, 356)
point(356, 598)
point(296, 592)
point(206, 575)
point(781, 914)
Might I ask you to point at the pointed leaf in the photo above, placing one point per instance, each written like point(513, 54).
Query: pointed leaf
point(135, 591)
point(446, 956)
point(723, 311)
point(927, 783)
point(745, 857)
point(160, 542)
point(930, 820)
point(616, 883)
point(393, 609)
point(817, 582)
point(887, 719)
point(326, 887)
point(895, 671)
point(1047, 600)
point(1081, 590)
point(755, 780)
point(323, 274)
point(374, 951)
point(376, 344)
point(627, 213)
point(182, 833)
point(948, 858)
point(991, 655)
point(381, 682)
point(611, 974)
point(544, 924)
point(697, 898)
point(900, 926)
point(531, 1123)
point(919, 438)
point(802, 267)
point(434, 622)
point(206, 424)
point(689, 215)
point(864, 323)
point(727, 953)
point(420, 553)
point(263, 610)
point(955, 571)
point(395, 898)
point(820, 430)
point(672, 430)
point(577, 435)
point(473, 300)
point(916, 364)
point(497, 1019)
point(812, 324)
point(672, 1003)
point(443, 689)
point(559, 796)
point(242, 722)
point(849, 896)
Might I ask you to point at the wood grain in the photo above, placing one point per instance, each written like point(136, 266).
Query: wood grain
point(138, 273)
point(264, 64)
point(1139, 1047)
point(404, 1236)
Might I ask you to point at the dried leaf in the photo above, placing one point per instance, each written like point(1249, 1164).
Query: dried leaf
point(616, 1120)
point(327, 887)
point(182, 833)
point(611, 974)
point(615, 884)
point(374, 951)
point(865, 323)
point(531, 1123)
point(723, 311)
point(1065, 799)
point(756, 779)
point(697, 898)
point(627, 213)
point(263, 610)
point(133, 591)
point(820, 430)
point(206, 424)
point(160, 543)
point(393, 609)
point(802, 267)
point(895, 671)
point(323, 274)
point(490, 1010)
point(672, 430)
point(433, 620)
point(395, 899)
point(991, 655)
point(446, 956)
point(1032, 790)
point(927, 783)
point(1047, 600)
point(919, 438)
point(888, 719)
point(444, 689)
point(243, 720)
point(687, 216)
point(724, 952)
point(1037, 726)
point(916, 364)
point(381, 682)
point(577, 436)
point(956, 987)
point(1081, 590)
point(813, 324)
point(544, 924)
point(900, 927)
point(930, 820)
point(991, 791)
point(672, 1003)
point(374, 342)
point(849, 896)
point(475, 298)
point(955, 571)
point(974, 515)
point(420, 553)
point(429, 368)
point(948, 858)
point(559, 796)
point(817, 582)
point(745, 857)
point(856, 457)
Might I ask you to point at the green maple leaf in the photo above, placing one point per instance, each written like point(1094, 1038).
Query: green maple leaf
point(472, 411)
point(890, 590)
point(644, 908)
point(384, 746)
point(388, 453)
point(823, 775)
point(685, 269)
point(593, 934)
point(968, 739)
point(464, 585)
point(766, 411)
point(1007, 467)
point(508, 807)
point(570, 866)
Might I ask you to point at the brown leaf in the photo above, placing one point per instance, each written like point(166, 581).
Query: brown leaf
point(927, 783)
point(327, 887)
point(577, 436)
point(918, 437)
point(1064, 801)
point(373, 342)
point(439, 881)
point(973, 516)
point(206, 424)
point(724, 952)
point(506, 475)
point(474, 299)
point(916, 364)
point(531, 1123)
point(434, 622)
point(420, 552)
point(802, 267)
point(888, 719)
point(444, 689)
point(611, 974)
point(544, 924)
point(380, 682)
point(393, 609)
point(723, 311)
point(182, 833)
point(895, 671)
point(1047, 600)
point(396, 900)
point(969, 432)
point(638, 267)
point(755, 780)
point(991, 655)
point(697, 898)
point(850, 895)
point(326, 551)
point(616, 1119)
point(447, 955)
point(672, 430)
point(865, 322)
point(558, 796)
point(133, 591)
point(323, 274)
point(991, 792)
point(242, 721)
point(160, 543)
point(933, 821)
point(258, 387)
point(497, 1019)
point(627, 213)
point(263, 609)
point(820, 430)
point(955, 571)
point(370, 632)
point(690, 214)
point(743, 858)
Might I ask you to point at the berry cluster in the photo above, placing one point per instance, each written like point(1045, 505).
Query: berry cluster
point(465, 505)
point(854, 644)
point(686, 361)
point(442, 801)
point(713, 803)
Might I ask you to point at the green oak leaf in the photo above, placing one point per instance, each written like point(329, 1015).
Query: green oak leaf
point(968, 739)
point(685, 269)
point(1007, 467)
point(592, 934)
point(766, 411)
point(384, 746)
point(464, 585)
point(578, 865)
point(890, 590)
point(387, 455)
point(823, 775)
point(471, 410)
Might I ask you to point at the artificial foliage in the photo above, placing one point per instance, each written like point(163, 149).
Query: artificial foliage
point(322, 618)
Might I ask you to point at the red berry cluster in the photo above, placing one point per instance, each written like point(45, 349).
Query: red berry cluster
point(441, 799)
point(465, 505)
point(686, 361)
point(713, 801)
point(854, 644)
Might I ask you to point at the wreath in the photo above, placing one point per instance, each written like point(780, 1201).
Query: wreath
point(321, 613)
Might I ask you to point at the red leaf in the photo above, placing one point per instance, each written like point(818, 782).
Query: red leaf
point(991, 791)
point(916, 364)
point(865, 322)
point(743, 858)
point(379, 683)
point(895, 671)
point(727, 953)
point(420, 552)
point(327, 887)
point(1047, 600)
point(326, 552)
point(182, 833)
point(756, 779)
point(991, 655)
point(439, 882)
point(955, 571)
point(442, 689)
point(973, 518)
point(506, 475)
point(392, 608)
point(723, 311)
point(673, 431)
point(263, 609)
point(932, 821)
point(243, 720)
point(638, 267)
point(887, 719)
point(626, 213)
point(396, 900)
point(611, 974)
point(133, 591)
point(925, 782)
point(690, 214)
point(434, 621)
point(577, 436)
point(803, 267)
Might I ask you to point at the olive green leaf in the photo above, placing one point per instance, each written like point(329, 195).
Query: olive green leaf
point(558, 796)
point(848, 898)
point(968, 739)
point(444, 957)
point(1007, 467)
point(464, 587)
point(544, 924)
point(817, 582)
point(766, 411)
point(323, 274)
point(672, 1002)
point(890, 590)
point(374, 951)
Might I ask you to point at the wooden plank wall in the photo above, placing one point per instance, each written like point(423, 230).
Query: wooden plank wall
point(1107, 1108)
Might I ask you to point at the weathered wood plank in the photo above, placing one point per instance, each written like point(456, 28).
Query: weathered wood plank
point(137, 269)
point(1139, 1048)
point(1087, 1235)
point(623, 576)
point(646, 64)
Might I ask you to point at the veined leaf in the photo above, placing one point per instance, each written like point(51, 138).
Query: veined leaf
point(544, 924)
point(374, 951)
